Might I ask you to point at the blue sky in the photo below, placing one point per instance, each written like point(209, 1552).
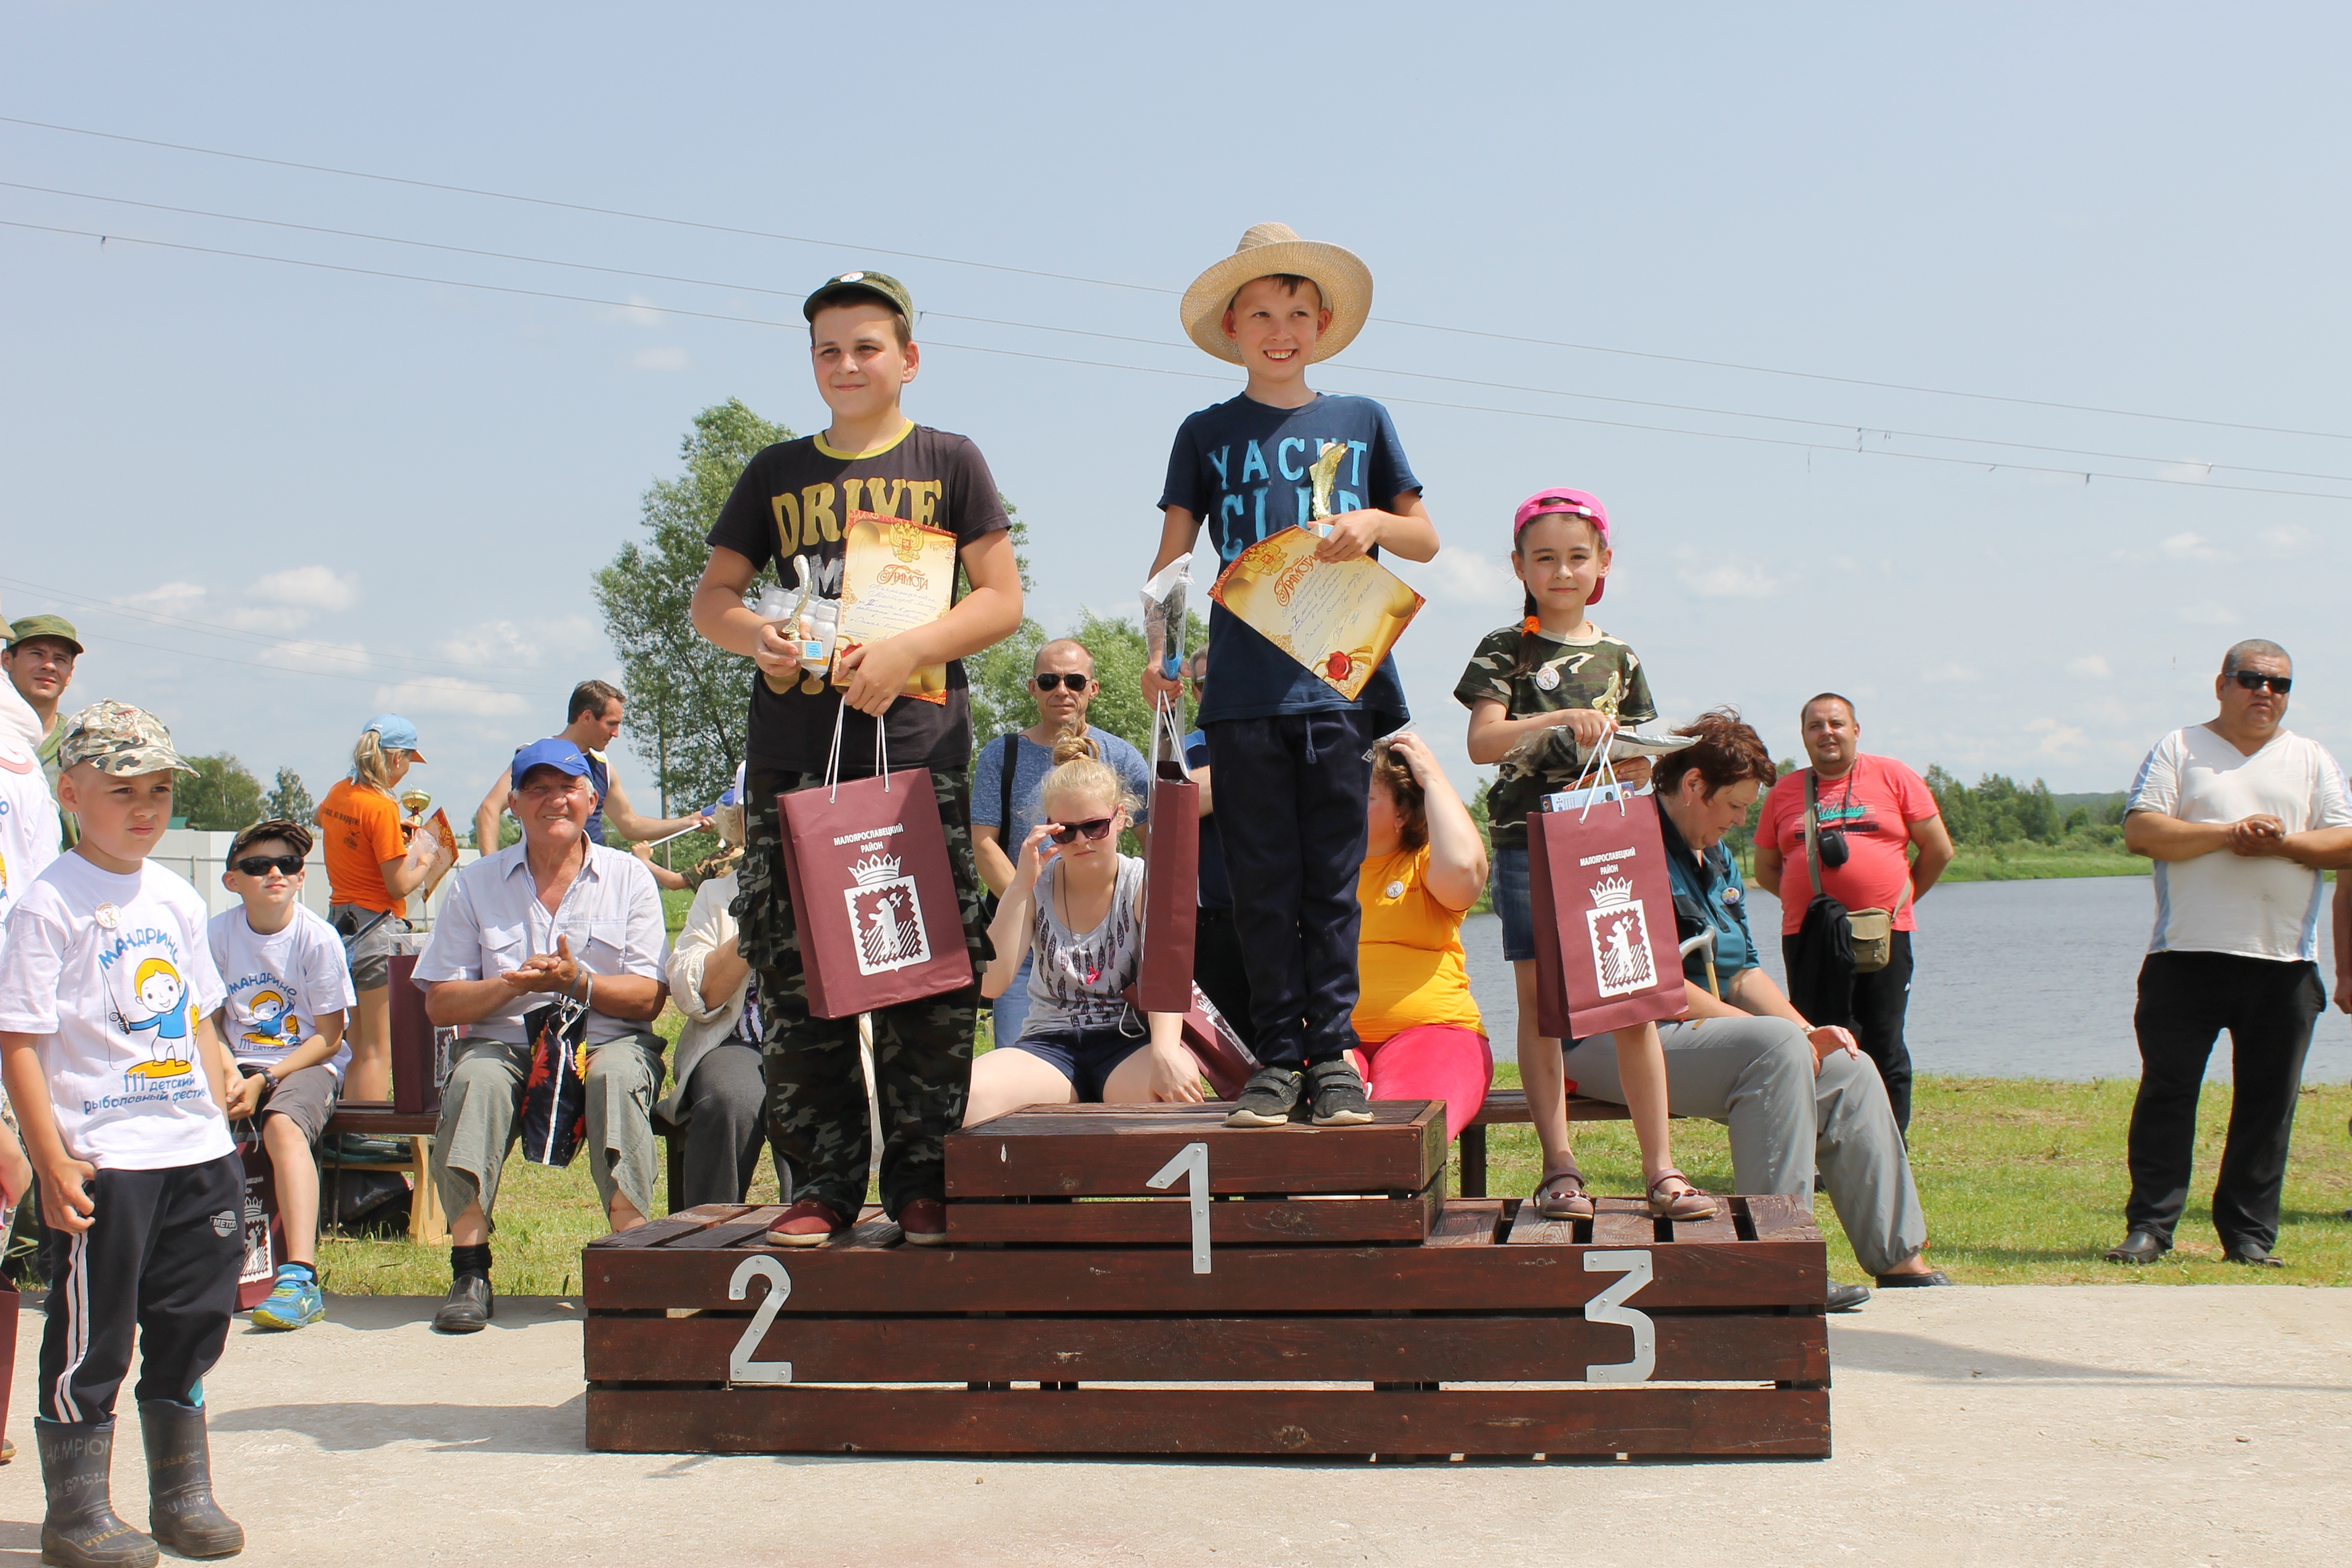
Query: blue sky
point(386, 493)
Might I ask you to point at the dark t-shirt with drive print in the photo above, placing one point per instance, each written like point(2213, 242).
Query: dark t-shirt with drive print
point(794, 499)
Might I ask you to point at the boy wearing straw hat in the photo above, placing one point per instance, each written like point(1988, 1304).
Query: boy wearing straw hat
point(1278, 736)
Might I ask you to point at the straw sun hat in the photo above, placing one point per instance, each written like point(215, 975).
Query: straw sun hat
point(1269, 248)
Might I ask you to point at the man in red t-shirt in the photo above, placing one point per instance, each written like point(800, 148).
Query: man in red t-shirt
point(1871, 810)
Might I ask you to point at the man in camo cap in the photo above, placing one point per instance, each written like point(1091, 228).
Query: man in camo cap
point(40, 662)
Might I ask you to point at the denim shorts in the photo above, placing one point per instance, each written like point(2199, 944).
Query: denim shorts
point(1508, 884)
point(1086, 1058)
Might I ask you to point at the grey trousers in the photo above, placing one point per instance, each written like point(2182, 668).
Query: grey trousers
point(477, 1120)
point(724, 1105)
point(1755, 1076)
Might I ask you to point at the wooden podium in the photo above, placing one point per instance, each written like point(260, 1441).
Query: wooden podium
point(1157, 1283)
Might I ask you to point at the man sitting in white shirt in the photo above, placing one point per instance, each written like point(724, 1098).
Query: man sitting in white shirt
point(2241, 817)
point(553, 917)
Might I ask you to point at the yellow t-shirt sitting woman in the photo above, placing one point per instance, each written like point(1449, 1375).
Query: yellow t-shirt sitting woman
point(1410, 964)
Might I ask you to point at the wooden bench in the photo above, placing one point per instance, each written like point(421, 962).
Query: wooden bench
point(1309, 1318)
point(1507, 1107)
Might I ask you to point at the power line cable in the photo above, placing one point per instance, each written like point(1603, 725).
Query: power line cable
point(1188, 375)
point(1840, 424)
point(1151, 289)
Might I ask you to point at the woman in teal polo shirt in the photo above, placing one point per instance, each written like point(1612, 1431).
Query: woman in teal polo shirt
point(1796, 1099)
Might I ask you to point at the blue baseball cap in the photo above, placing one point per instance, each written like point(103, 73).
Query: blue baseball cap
point(393, 733)
point(555, 752)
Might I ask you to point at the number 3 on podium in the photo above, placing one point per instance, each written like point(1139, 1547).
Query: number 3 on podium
point(1609, 1307)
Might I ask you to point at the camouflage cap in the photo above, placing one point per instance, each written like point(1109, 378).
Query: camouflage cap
point(118, 740)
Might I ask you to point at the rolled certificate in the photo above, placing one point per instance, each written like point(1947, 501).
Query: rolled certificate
point(1163, 616)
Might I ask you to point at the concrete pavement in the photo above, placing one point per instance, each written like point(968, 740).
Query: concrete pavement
point(2140, 1425)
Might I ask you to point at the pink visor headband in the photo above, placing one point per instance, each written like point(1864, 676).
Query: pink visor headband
point(1565, 503)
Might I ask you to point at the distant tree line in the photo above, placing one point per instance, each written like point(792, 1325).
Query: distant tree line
point(1998, 810)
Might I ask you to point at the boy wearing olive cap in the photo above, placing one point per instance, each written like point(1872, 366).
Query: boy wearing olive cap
point(104, 980)
point(795, 502)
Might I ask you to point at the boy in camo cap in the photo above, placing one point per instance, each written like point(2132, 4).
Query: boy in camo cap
point(104, 979)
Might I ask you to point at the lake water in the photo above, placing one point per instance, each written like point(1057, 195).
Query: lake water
point(2012, 980)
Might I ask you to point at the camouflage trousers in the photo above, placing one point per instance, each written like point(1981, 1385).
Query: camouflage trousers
point(816, 1104)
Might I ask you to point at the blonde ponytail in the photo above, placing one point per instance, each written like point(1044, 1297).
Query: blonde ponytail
point(1079, 768)
point(371, 764)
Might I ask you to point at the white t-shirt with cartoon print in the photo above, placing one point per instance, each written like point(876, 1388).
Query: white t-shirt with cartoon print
point(278, 986)
point(28, 821)
point(115, 976)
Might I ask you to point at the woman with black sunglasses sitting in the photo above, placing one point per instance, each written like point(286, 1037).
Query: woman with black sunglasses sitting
point(1077, 903)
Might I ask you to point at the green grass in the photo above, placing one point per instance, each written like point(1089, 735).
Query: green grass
point(2033, 862)
point(2022, 1180)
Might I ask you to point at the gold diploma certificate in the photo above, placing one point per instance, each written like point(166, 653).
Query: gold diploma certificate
point(1338, 618)
point(895, 575)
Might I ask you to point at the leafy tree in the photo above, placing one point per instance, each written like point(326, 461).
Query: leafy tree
point(223, 797)
point(687, 707)
point(1995, 810)
point(289, 800)
point(1002, 700)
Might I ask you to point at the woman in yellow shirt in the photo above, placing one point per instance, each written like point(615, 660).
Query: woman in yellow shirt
point(1423, 868)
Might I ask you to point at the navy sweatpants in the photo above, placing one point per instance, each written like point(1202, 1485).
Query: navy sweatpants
point(1291, 792)
point(161, 1257)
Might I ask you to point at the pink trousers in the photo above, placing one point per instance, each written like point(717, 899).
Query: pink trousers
point(1431, 1061)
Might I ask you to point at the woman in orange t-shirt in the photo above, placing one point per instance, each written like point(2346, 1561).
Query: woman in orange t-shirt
point(370, 875)
point(1424, 866)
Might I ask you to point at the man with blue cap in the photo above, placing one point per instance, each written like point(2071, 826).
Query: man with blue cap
point(555, 918)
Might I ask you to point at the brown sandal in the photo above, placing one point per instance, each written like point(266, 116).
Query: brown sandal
point(1560, 1195)
point(1688, 1203)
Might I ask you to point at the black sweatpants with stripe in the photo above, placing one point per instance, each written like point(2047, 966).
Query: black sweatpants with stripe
point(160, 1260)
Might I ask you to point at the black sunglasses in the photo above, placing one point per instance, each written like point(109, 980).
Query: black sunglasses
point(2254, 680)
point(1076, 682)
point(1064, 832)
point(262, 864)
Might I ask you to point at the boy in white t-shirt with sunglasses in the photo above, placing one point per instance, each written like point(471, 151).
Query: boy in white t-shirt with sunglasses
point(104, 980)
point(288, 986)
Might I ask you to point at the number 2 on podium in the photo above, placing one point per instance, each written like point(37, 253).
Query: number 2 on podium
point(1193, 1158)
point(741, 1367)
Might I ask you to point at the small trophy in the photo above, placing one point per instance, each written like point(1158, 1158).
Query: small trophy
point(1325, 471)
point(414, 802)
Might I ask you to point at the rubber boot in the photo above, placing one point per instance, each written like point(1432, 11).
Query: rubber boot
point(179, 1507)
point(81, 1529)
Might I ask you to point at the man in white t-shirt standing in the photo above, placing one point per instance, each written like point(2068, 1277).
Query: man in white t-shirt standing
point(2241, 817)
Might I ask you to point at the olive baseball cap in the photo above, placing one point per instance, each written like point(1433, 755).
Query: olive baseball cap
point(849, 287)
point(119, 741)
point(56, 626)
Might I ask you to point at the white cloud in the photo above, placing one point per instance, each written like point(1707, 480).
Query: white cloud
point(1465, 576)
point(504, 644)
point(346, 657)
point(2287, 539)
point(2056, 738)
point(308, 588)
point(2208, 616)
point(671, 358)
point(448, 694)
point(2188, 547)
point(2091, 666)
point(2190, 472)
point(169, 599)
point(640, 311)
point(1725, 577)
point(1944, 673)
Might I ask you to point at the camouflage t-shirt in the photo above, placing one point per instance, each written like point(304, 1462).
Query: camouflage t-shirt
point(1602, 673)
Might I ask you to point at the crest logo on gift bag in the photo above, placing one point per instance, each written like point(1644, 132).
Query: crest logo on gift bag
point(1622, 959)
point(886, 916)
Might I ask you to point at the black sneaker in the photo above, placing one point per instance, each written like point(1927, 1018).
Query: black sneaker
point(1268, 1099)
point(1339, 1092)
point(469, 1308)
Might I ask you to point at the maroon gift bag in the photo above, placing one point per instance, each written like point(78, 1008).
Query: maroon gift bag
point(873, 894)
point(265, 1230)
point(1604, 918)
point(1224, 1061)
point(1171, 878)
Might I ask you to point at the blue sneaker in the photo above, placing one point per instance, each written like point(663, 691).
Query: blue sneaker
point(295, 1301)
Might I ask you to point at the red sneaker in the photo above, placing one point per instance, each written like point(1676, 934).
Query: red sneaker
point(807, 1223)
point(925, 1222)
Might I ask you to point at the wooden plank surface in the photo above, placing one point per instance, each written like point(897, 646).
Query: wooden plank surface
point(865, 1273)
point(1623, 1222)
point(1720, 1228)
point(1168, 1221)
point(686, 1222)
point(1752, 1423)
point(1095, 1151)
point(1704, 1348)
point(1780, 1217)
point(1530, 1228)
point(749, 1224)
point(1467, 1222)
